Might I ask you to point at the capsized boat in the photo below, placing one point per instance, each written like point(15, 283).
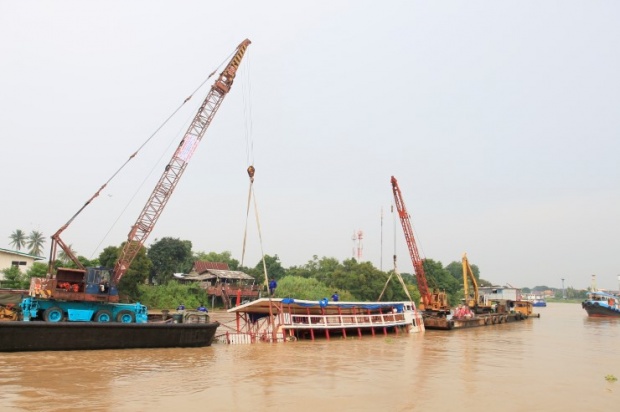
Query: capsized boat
point(287, 319)
point(601, 305)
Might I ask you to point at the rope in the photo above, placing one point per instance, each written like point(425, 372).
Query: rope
point(400, 280)
point(260, 240)
point(135, 153)
point(247, 212)
point(252, 197)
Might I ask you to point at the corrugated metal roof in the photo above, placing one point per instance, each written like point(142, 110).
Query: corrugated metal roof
point(219, 274)
point(202, 266)
point(15, 252)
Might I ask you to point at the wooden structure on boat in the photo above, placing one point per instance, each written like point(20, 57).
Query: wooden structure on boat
point(280, 320)
point(222, 284)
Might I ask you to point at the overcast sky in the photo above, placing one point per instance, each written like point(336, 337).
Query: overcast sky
point(500, 120)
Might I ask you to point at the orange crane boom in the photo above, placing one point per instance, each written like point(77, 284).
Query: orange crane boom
point(174, 169)
point(436, 301)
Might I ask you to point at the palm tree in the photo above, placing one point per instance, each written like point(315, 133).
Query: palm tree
point(18, 239)
point(64, 257)
point(36, 242)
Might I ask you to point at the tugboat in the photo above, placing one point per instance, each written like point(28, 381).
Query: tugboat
point(601, 305)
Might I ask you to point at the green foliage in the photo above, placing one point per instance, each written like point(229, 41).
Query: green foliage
point(571, 293)
point(136, 275)
point(442, 279)
point(169, 296)
point(109, 256)
point(611, 378)
point(353, 281)
point(540, 288)
point(70, 264)
point(456, 270)
point(169, 256)
point(306, 288)
point(37, 270)
point(87, 262)
point(274, 268)
point(14, 278)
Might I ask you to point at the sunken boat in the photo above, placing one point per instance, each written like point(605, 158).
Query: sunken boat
point(286, 319)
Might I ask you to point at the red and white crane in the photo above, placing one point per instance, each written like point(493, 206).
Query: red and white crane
point(175, 168)
point(436, 301)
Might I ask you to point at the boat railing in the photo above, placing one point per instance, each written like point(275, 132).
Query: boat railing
point(341, 320)
point(240, 338)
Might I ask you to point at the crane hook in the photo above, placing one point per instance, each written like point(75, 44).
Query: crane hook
point(251, 171)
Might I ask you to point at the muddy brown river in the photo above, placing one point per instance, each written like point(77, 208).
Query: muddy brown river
point(556, 363)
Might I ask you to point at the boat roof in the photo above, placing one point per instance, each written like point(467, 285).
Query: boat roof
point(599, 293)
point(219, 274)
point(299, 305)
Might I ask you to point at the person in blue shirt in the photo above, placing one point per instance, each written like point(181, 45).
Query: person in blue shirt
point(201, 308)
point(272, 286)
point(181, 307)
point(335, 297)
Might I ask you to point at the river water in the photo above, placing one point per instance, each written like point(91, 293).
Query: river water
point(558, 362)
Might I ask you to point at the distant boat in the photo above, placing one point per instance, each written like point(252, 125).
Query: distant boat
point(601, 305)
point(539, 303)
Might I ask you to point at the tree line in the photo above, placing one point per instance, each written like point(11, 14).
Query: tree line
point(150, 276)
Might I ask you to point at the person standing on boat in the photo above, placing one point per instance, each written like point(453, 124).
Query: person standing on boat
point(335, 297)
point(272, 286)
point(181, 308)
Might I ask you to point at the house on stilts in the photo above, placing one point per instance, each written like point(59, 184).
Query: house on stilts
point(225, 286)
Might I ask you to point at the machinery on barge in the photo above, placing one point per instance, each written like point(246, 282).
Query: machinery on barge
point(499, 305)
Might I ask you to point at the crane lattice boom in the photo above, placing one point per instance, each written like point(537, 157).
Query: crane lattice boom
point(174, 169)
point(411, 244)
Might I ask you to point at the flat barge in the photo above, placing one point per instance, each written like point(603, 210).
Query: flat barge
point(520, 310)
point(21, 336)
point(450, 323)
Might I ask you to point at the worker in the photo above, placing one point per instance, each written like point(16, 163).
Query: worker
point(201, 308)
point(272, 286)
point(104, 282)
point(335, 297)
point(181, 307)
point(104, 286)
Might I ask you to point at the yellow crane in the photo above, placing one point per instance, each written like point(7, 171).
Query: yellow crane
point(473, 301)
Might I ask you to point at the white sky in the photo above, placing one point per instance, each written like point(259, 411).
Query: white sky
point(500, 121)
